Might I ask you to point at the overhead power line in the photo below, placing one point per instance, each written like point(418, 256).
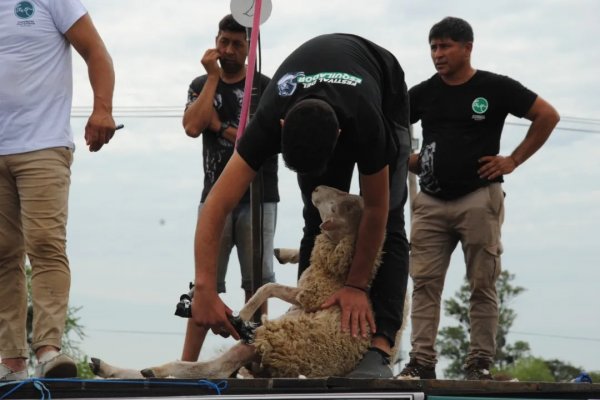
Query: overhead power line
point(166, 333)
point(134, 112)
point(180, 108)
point(582, 120)
point(559, 127)
point(556, 336)
point(567, 123)
point(137, 332)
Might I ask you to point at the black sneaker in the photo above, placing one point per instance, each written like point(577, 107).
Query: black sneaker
point(478, 370)
point(414, 370)
point(374, 365)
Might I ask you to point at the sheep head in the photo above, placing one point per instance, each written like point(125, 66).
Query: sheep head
point(339, 211)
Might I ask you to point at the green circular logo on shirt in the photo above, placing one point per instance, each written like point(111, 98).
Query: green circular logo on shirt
point(24, 10)
point(480, 105)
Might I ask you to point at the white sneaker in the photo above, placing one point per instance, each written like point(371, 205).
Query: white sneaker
point(53, 364)
point(7, 374)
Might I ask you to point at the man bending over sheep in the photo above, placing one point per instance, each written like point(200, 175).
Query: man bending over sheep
point(337, 101)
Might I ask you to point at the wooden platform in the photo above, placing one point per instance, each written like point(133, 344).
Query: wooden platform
point(332, 388)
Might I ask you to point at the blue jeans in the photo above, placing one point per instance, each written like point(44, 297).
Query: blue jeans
point(238, 232)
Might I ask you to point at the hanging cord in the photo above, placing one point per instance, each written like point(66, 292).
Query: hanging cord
point(262, 181)
point(251, 64)
point(252, 71)
point(45, 393)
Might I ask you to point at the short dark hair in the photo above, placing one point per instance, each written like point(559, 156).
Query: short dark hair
point(454, 28)
point(308, 136)
point(228, 23)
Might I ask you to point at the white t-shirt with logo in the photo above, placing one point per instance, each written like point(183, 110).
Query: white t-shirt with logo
point(36, 82)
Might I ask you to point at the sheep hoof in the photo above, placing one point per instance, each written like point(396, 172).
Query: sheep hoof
point(147, 373)
point(94, 365)
point(246, 329)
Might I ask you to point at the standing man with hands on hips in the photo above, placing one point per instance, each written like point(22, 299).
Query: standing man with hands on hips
point(462, 112)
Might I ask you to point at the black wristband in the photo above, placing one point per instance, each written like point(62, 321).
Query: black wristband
point(356, 287)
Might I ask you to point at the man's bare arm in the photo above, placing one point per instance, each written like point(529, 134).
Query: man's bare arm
point(207, 308)
point(201, 114)
point(83, 36)
point(543, 119)
point(357, 316)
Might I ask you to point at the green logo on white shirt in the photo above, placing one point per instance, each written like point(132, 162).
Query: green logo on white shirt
point(24, 10)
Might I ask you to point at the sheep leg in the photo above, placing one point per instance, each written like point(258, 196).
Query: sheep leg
point(105, 370)
point(285, 256)
point(220, 368)
point(285, 293)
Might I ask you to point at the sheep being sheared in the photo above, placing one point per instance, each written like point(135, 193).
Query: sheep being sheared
point(306, 340)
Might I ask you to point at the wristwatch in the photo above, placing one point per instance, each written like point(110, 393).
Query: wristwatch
point(224, 125)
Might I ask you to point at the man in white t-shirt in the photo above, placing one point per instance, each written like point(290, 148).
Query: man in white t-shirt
point(36, 151)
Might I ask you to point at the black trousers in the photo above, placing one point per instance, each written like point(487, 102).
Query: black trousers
point(389, 286)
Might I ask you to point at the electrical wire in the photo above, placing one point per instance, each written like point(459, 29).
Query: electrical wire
point(165, 333)
point(559, 128)
point(162, 112)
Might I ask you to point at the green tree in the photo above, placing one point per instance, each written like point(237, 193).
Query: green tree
point(453, 342)
point(531, 369)
point(73, 334)
point(565, 372)
point(512, 360)
point(506, 353)
point(561, 371)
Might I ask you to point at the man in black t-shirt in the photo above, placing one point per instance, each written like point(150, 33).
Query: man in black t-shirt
point(462, 112)
point(213, 109)
point(336, 102)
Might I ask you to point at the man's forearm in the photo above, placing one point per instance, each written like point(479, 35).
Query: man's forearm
point(209, 230)
point(198, 115)
point(413, 163)
point(102, 79)
point(543, 119)
point(371, 235)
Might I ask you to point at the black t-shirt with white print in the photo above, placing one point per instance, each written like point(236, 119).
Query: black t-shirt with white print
point(461, 124)
point(216, 151)
point(364, 84)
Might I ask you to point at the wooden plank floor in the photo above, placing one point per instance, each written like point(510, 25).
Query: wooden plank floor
point(298, 388)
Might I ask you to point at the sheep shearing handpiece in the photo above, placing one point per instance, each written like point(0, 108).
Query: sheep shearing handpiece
point(245, 329)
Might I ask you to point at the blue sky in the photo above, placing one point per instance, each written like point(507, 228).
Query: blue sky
point(133, 204)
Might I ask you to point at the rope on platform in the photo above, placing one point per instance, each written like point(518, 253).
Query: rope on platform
point(45, 394)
